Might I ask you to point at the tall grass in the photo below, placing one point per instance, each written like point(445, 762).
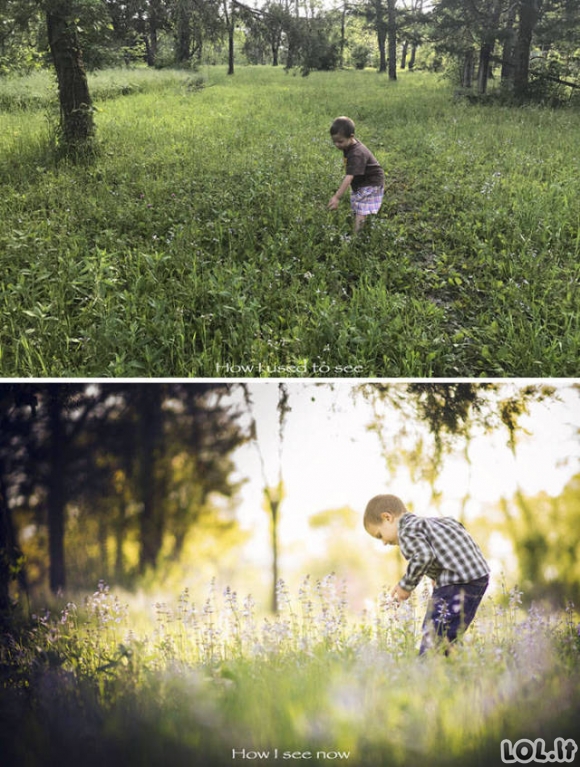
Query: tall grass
point(198, 243)
point(207, 683)
point(38, 90)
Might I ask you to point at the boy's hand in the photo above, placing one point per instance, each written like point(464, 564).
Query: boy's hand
point(400, 594)
point(333, 204)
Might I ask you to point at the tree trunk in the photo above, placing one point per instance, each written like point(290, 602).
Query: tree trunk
point(119, 540)
point(392, 34)
point(382, 39)
point(507, 57)
point(529, 12)
point(483, 68)
point(151, 450)
point(151, 45)
point(154, 24)
point(274, 505)
point(404, 50)
point(56, 501)
point(103, 537)
point(148, 55)
point(413, 56)
point(8, 555)
point(467, 72)
point(183, 31)
point(231, 50)
point(76, 111)
point(11, 560)
point(230, 19)
point(150, 41)
point(343, 33)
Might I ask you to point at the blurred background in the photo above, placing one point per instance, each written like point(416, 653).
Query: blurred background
point(157, 487)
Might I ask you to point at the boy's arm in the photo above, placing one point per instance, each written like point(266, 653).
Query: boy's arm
point(346, 182)
point(420, 555)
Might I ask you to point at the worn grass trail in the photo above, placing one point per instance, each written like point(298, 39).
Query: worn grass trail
point(198, 243)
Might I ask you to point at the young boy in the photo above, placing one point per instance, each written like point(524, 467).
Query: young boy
point(442, 549)
point(363, 173)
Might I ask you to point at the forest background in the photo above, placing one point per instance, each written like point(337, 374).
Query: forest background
point(148, 484)
point(528, 40)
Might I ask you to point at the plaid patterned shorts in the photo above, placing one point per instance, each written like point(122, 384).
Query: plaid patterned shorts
point(366, 200)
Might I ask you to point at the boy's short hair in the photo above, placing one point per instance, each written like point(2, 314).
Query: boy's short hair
point(342, 125)
point(381, 504)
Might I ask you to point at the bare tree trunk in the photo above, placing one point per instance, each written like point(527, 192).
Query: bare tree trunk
point(154, 24)
point(392, 34)
point(151, 451)
point(229, 15)
point(467, 72)
point(76, 112)
point(508, 46)
point(529, 12)
point(404, 50)
point(274, 504)
point(183, 43)
point(382, 40)
point(56, 502)
point(483, 68)
point(8, 554)
point(11, 559)
point(119, 539)
point(486, 50)
point(231, 51)
point(104, 548)
point(153, 46)
point(343, 32)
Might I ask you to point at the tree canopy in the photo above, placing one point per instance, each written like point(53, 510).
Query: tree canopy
point(537, 38)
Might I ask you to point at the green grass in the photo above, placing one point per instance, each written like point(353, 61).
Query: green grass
point(198, 240)
point(183, 683)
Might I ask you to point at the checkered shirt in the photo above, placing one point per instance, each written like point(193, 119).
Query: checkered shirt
point(440, 548)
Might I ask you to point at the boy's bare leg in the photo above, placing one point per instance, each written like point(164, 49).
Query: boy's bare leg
point(358, 223)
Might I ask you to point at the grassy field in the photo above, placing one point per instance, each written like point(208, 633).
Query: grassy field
point(198, 243)
point(215, 684)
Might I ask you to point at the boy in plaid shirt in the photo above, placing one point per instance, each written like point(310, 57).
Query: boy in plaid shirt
point(442, 549)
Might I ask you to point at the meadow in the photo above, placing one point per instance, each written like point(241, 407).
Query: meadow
point(197, 241)
point(218, 682)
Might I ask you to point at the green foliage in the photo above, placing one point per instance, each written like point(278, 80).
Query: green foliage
point(552, 80)
point(199, 239)
point(543, 531)
point(360, 55)
point(190, 680)
point(22, 36)
point(343, 518)
point(319, 47)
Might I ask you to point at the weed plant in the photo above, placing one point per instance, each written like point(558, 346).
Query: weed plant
point(213, 682)
point(198, 242)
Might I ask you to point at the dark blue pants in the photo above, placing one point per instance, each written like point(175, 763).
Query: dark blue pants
point(450, 611)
